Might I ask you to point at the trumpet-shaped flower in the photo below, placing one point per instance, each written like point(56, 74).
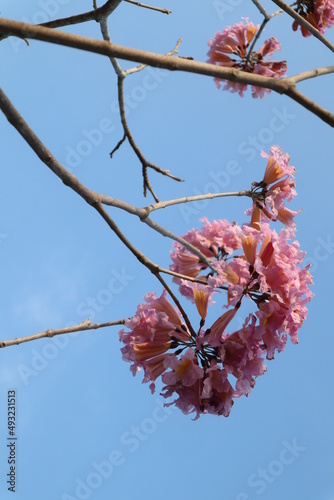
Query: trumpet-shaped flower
point(276, 187)
point(231, 48)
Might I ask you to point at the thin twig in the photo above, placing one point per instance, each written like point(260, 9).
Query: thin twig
point(84, 326)
point(142, 66)
point(312, 73)
point(263, 11)
point(159, 9)
point(118, 145)
point(188, 199)
point(92, 15)
point(266, 19)
point(137, 151)
point(127, 133)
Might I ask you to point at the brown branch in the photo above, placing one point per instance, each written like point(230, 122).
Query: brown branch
point(189, 199)
point(118, 145)
point(93, 15)
point(151, 7)
point(311, 73)
point(128, 134)
point(145, 164)
point(121, 75)
point(310, 105)
point(84, 326)
point(279, 85)
point(130, 71)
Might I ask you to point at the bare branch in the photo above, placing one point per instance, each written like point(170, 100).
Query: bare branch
point(142, 66)
point(311, 73)
point(118, 145)
point(145, 164)
point(310, 105)
point(189, 199)
point(93, 15)
point(84, 326)
point(159, 9)
point(127, 133)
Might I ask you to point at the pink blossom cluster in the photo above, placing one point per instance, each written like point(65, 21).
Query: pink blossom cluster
point(208, 367)
point(276, 187)
point(230, 48)
point(319, 13)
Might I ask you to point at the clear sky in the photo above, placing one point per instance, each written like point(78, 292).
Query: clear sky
point(86, 429)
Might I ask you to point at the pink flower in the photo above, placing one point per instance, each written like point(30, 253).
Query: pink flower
point(242, 356)
point(152, 331)
point(319, 13)
point(219, 327)
point(276, 187)
point(217, 394)
point(201, 297)
point(184, 370)
point(230, 49)
point(199, 391)
point(184, 379)
point(216, 240)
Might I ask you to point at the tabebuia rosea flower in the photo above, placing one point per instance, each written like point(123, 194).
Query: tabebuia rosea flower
point(207, 366)
point(230, 48)
point(276, 187)
point(319, 13)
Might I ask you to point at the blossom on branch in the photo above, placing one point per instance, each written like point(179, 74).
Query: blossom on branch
point(230, 48)
point(319, 13)
point(207, 368)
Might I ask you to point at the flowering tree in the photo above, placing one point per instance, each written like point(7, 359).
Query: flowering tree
point(258, 265)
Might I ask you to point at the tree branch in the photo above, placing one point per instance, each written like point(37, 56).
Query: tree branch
point(311, 73)
point(189, 199)
point(151, 7)
point(279, 85)
point(84, 326)
point(93, 15)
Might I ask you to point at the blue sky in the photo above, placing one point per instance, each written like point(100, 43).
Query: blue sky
point(85, 427)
